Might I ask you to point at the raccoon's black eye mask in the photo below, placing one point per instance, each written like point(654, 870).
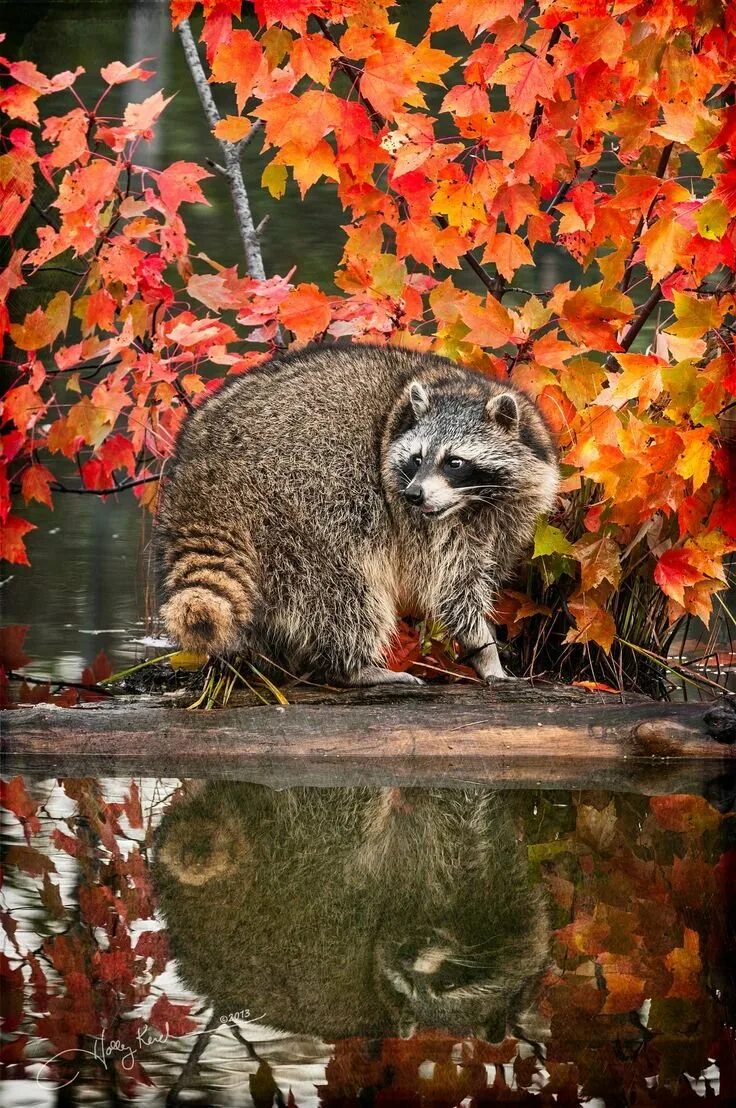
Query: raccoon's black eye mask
point(472, 476)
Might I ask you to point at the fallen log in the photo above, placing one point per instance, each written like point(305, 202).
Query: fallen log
point(511, 735)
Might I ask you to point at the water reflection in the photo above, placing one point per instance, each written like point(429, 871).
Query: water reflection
point(354, 911)
point(220, 943)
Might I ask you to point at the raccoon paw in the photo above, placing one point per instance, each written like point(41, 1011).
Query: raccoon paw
point(375, 675)
point(499, 674)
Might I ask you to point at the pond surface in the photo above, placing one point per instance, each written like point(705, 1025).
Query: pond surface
point(224, 943)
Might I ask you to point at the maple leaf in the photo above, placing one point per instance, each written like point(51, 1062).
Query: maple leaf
point(508, 253)
point(139, 119)
point(24, 406)
point(473, 17)
point(29, 860)
point(465, 100)
point(696, 458)
point(178, 183)
point(392, 69)
point(87, 422)
point(313, 56)
point(675, 570)
point(685, 964)
point(116, 73)
point(527, 78)
point(14, 798)
point(12, 547)
point(172, 1019)
point(12, 655)
point(238, 62)
point(600, 560)
point(305, 311)
point(592, 623)
point(41, 326)
point(232, 128)
point(663, 245)
point(98, 670)
point(35, 484)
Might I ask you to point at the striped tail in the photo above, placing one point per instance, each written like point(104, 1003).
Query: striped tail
point(209, 590)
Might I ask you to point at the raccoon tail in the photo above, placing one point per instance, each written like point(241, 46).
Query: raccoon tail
point(210, 600)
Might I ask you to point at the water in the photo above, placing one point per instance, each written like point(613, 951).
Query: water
point(222, 943)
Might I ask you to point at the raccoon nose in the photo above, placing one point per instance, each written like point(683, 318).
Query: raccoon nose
point(414, 493)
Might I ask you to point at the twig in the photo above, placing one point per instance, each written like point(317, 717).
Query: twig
point(241, 145)
point(44, 215)
point(13, 675)
point(659, 172)
point(190, 1066)
point(231, 157)
point(123, 487)
point(641, 317)
point(554, 38)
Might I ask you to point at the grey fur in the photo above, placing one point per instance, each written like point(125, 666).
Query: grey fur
point(286, 529)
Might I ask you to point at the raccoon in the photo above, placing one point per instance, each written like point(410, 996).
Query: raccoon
point(317, 496)
point(355, 911)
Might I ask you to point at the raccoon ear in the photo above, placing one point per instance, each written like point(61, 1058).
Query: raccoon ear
point(504, 410)
point(418, 398)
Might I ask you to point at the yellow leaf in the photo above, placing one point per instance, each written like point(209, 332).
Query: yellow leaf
point(42, 326)
point(695, 459)
point(274, 179)
point(389, 275)
point(712, 219)
point(663, 245)
point(695, 315)
point(186, 659)
point(640, 379)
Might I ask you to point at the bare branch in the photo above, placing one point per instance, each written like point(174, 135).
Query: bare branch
point(230, 155)
point(240, 146)
point(659, 172)
point(122, 487)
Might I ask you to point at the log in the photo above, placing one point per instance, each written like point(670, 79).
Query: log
point(510, 735)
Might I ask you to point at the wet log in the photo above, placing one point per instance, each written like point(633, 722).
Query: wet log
point(511, 735)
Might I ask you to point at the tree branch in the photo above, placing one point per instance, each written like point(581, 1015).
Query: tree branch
point(123, 487)
point(554, 38)
point(230, 154)
point(659, 172)
point(641, 317)
point(636, 324)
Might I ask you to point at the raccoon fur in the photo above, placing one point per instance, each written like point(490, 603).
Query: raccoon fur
point(355, 911)
point(313, 498)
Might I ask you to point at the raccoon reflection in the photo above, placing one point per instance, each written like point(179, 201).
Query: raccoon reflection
point(340, 912)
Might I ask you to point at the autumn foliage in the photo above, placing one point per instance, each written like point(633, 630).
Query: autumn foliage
point(511, 141)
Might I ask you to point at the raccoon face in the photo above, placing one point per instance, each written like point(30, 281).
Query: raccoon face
point(437, 983)
point(455, 451)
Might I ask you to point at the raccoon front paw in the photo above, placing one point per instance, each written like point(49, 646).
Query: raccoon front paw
point(375, 675)
point(494, 672)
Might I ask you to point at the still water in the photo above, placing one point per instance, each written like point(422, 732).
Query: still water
point(224, 943)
